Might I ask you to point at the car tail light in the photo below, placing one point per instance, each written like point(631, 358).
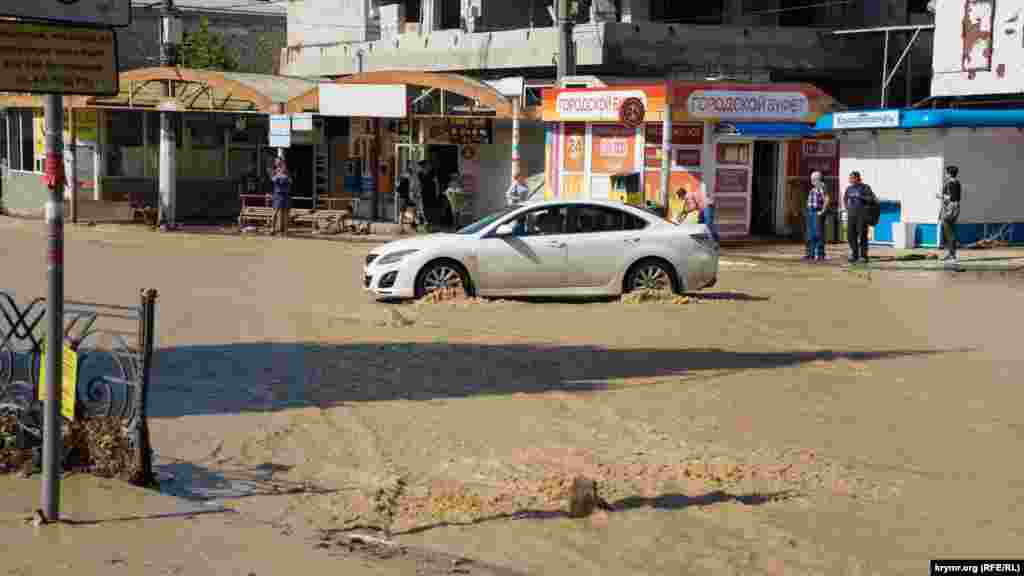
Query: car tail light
point(705, 240)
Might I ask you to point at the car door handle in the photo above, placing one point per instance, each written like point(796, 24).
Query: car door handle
point(631, 240)
point(556, 244)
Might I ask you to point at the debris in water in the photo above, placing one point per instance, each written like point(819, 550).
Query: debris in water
point(642, 296)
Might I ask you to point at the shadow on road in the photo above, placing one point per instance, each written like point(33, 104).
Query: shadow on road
point(260, 377)
point(661, 502)
point(728, 296)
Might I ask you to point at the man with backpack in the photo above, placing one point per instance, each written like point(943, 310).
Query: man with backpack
point(862, 211)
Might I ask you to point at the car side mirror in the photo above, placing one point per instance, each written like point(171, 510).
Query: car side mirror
point(507, 229)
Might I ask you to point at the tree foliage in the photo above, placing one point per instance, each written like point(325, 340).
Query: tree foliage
point(206, 50)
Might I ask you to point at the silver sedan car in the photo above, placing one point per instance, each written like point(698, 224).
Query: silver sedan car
point(552, 248)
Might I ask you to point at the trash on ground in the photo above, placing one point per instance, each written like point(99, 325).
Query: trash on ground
point(642, 296)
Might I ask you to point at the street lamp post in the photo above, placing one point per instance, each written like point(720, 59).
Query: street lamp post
point(170, 39)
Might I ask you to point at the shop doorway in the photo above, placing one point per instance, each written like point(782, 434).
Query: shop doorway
point(766, 188)
point(445, 160)
point(300, 167)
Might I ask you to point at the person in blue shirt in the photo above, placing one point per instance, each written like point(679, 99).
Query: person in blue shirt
point(281, 198)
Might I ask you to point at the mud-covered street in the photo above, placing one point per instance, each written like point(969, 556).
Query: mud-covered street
point(795, 419)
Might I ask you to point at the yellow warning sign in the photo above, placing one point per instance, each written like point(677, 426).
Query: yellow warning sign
point(70, 381)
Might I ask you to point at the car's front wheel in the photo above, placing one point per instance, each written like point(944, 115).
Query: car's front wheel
point(442, 275)
point(649, 275)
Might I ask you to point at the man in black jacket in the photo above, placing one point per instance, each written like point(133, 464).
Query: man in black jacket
point(857, 198)
point(950, 211)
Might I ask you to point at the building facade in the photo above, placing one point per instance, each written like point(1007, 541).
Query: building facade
point(746, 40)
point(253, 32)
point(974, 120)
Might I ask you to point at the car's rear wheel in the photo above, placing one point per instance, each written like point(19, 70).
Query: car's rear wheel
point(443, 275)
point(650, 274)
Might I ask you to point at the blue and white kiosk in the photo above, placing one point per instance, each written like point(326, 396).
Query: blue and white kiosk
point(902, 155)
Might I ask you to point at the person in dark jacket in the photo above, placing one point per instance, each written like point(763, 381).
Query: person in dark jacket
point(857, 198)
point(950, 211)
point(281, 198)
point(428, 190)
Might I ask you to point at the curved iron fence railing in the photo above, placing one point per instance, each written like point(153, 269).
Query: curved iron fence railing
point(114, 346)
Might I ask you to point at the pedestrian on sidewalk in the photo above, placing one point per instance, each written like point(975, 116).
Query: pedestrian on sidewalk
point(281, 199)
point(518, 192)
point(950, 211)
point(708, 212)
point(857, 199)
point(690, 212)
point(428, 194)
point(817, 207)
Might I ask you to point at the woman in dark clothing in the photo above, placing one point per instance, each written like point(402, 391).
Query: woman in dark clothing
point(281, 197)
point(428, 189)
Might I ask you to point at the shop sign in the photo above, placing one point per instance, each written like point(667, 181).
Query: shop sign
point(470, 110)
point(58, 59)
point(687, 157)
point(682, 134)
point(280, 131)
point(470, 130)
point(731, 181)
point(819, 148)
point(603, 105)
point(613, 147)
point(855, 120)
point(747, 105)
point(631, 112)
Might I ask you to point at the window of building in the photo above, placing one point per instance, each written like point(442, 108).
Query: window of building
point(802, 13)
point(412, 10)
point(205, 130)
point(450, 17)
point(125, 128)
point(27, 161)
point(3, 140)
point(917, 6)
point(683, 12)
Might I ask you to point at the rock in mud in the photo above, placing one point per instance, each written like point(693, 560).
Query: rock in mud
point(582, 497)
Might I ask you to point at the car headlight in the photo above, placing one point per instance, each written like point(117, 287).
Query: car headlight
point(395, 257)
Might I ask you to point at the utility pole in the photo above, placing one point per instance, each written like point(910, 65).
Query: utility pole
point(566, 53)
point(52, 425)
point(666, 146)
point(170, 32)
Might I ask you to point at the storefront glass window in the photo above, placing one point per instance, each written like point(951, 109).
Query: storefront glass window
point(573, 147)
point(28, 147)
point(613, 149)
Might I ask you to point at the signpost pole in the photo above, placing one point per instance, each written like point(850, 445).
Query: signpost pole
point(666, 147)
point(54, 110)
point(170, 30)
point(71, 150)
point(515, 139)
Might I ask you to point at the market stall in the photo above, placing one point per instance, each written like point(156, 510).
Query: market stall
point(737, 138)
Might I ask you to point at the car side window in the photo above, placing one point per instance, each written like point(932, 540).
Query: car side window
point(542, 222)
point(591, 219)
point(634, 222)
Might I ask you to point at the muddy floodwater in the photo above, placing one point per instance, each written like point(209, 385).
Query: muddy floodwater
point(792, 420)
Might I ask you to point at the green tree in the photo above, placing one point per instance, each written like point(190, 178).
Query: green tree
point(205, 50)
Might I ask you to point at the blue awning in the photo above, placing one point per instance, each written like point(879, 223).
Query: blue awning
point(946, 118)
point(777, 129)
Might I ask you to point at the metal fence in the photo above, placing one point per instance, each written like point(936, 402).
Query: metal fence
point(114, 351)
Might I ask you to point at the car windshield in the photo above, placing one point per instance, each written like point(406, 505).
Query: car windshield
point(485, 221)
